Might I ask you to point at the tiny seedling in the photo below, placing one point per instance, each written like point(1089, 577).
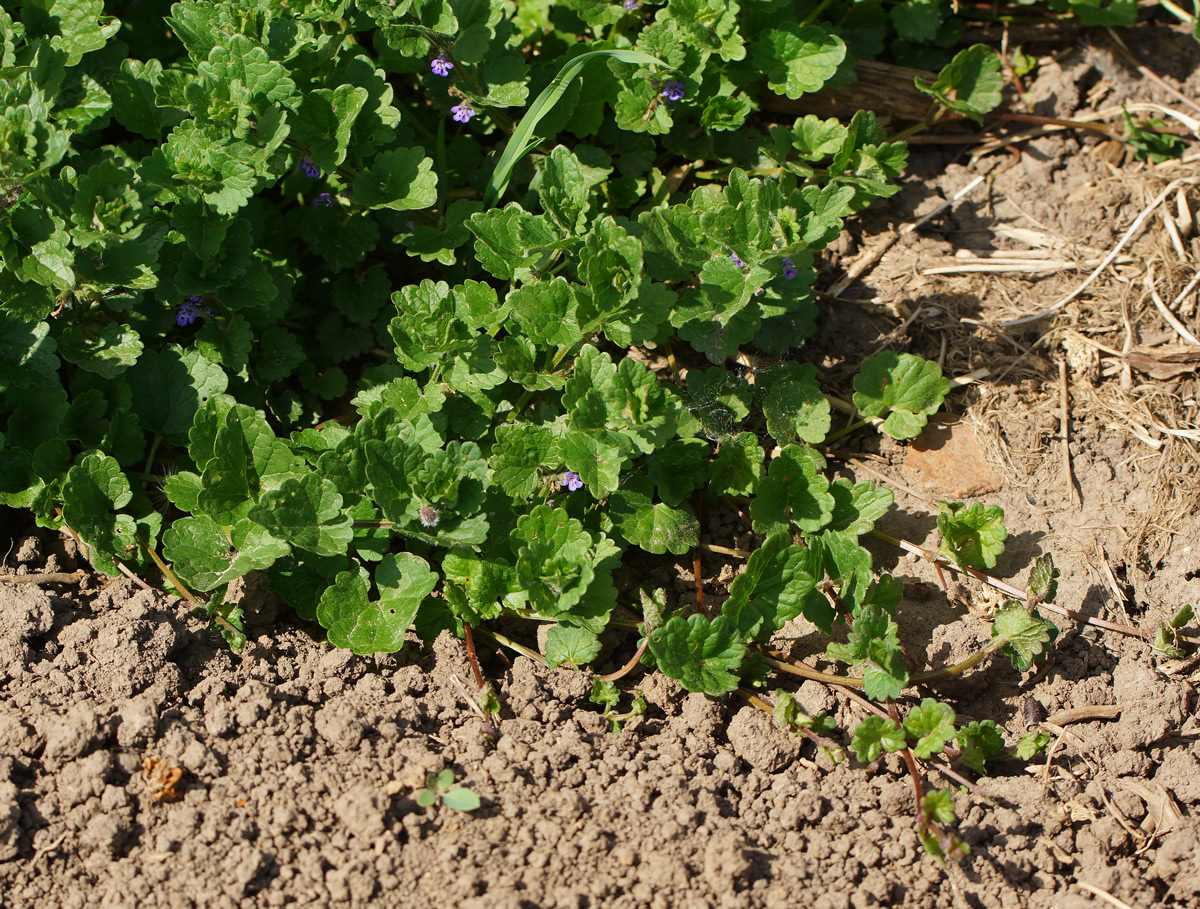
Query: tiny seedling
point(608, 695)
point(439, 786)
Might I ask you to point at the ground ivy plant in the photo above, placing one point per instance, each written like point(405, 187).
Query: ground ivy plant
point(366, 295)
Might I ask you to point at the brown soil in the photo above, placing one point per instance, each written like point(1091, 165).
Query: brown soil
point(299, 763)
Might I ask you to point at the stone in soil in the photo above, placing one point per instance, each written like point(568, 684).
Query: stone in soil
point(947, 460)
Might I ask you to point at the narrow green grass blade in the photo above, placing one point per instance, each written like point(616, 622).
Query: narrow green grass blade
point(523, 140)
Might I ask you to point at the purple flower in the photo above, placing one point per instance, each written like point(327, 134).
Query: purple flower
point(673, 91)
point(736, 261)
point(322, 199)
point(572, 480)
point(428, 516)
point(310, 170)
point(463, 112)
point(631, 4)
point(441, 66)
point(187, 311)
point(789, 269)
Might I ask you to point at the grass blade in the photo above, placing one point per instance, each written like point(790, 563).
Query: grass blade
point(523, 140)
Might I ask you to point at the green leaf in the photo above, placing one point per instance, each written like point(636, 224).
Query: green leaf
point(938, 806)
point(107, 352)
point(306, 513)
point(610, 265)
point(884, 674)
point(554, 560)
point(798, 59)
point(1025, 634)
point(508, 240)
point(1095, 13)
point(971, 537)
point(324, 121)
point(771, 591)
point(426, 797)
point(1166, 636)
point(857, 506)
point(655, 527)
point(569, 644)
point(678, 468)
point(916, 20)
point(1031, 745)
point(738, 466)
point(564, 191)
point(793, 404)
point(523, 138)
point(518, 456)
point(718, 400)
point(365, 626)
point(169, 385)
point(94, 490)
point(134, 102)
point(702, 655)
point(875, 735)
point(27, 357)
point(978, 742)
point(905, 387)
point(547, 312)
point(207, 555)
point(247, 459)
point(460, 799)
point(239, 60)
point(724, 113)
point(873, 623)
point(794, 491)
point(475, 588)
point(932, 725)
point(970, 84)
point(400, 179)
point(625, 404)
point(1043, 580)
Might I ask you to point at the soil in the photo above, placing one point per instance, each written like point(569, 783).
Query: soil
point(142, 763)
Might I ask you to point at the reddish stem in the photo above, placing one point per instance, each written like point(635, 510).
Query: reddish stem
point(469, 639)
point(696, 556)
point(628, 667)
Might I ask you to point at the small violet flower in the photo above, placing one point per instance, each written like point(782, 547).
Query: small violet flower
point(187, 311)
point(463, 112)
point(737, 261)
point(428, 516)
point(441, 66)
point(322, 199)
point(310, 170)
point(673, 91)
point(572, 480)
point(631, 4)
point(789, 269)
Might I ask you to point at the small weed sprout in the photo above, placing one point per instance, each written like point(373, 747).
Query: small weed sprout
point(439, 786)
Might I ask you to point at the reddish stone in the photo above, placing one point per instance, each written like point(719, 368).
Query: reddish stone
point(948, 461)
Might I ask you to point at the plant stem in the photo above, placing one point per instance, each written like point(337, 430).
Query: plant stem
point(806, 672)
point(1014, 592)
point(696, 567)
point(819, 740)
point(170, 575)
point(629, 667)
point(913, 771)
point(150, 457)
point(471, 656)
point(513, 645)
point(812, 16)
point(725, 550)
point(1180, 14)
point(957, 668)
point(846, 430)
